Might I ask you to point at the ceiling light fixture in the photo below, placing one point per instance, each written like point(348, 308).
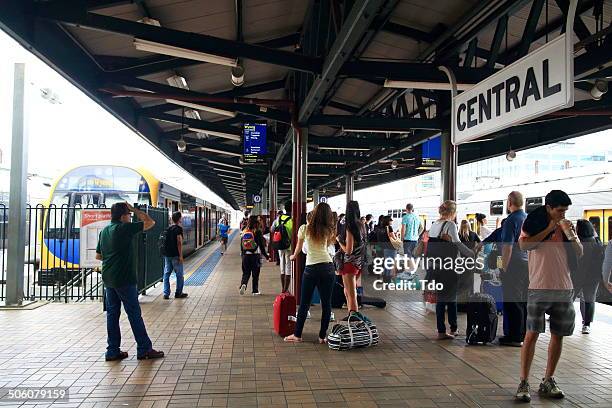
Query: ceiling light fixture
point(394, 164)
point(209, 149)
point(357, 149)
point(326, 163)
point(202, 107)
point(238, 76)
point(150, 46)
point(376, 130)
point(225, 164)
point(600, 87)
point(224, 135)
point(181, 145)
point(437, 86)
point(511, 155)
point(227, 171)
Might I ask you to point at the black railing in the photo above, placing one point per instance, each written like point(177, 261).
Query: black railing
point(52, 265)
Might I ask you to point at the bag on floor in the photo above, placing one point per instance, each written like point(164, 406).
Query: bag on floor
point(371, 301)
point(355, 333)
point(481, 319)
point(284, 314)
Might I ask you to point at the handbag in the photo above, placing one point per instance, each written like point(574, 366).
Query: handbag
point(338, 260)
point(355, 334)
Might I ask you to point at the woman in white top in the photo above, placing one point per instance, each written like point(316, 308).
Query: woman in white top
point(481, 226)
point(446, 229)
point(319, 272)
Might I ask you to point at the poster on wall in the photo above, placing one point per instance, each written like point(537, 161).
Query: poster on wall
point(92, 222)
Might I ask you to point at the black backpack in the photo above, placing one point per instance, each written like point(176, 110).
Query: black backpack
point(481, 319)
point(161, 242)
point(280, 238)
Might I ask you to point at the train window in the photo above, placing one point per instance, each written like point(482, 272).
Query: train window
point(597, 225)
point(532, 203)
point(609, 229)
point(497, 207)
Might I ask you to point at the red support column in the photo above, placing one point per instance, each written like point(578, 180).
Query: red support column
point(298, 200)
point(272, 195)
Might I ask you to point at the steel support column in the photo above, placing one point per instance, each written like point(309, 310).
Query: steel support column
point(298, 199)
point(18, 192)
point(315, 197)
point(272, 192)
point(349, 186)
point(449, 167)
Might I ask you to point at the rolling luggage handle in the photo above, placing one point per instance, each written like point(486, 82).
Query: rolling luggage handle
point(371, 337)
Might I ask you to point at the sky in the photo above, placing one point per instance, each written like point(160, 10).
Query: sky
point(77, 131)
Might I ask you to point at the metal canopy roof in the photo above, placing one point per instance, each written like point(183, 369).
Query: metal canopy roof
point(326, 59)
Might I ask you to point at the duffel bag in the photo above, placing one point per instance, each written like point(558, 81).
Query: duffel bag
point(355, 334)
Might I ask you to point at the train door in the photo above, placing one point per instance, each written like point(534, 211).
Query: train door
point(602, 222)
point(423, 219)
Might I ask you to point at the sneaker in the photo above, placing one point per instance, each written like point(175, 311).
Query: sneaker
point(445, 336)
point(151, 354)
point(586, 329)
point(181, 295)
point(242, 289)
point(166, 297)
point(308, 315)
point(549, 388)
point(332, 317)
point(256, 293)
point(522, 394)
point(510, 343)
point(454, 333)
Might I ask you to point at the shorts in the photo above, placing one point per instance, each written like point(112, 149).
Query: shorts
point(285, 262)
point(554, 303)
point(349, 269)
point(224, 240)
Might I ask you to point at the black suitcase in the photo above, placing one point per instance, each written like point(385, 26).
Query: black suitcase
point(481, 319)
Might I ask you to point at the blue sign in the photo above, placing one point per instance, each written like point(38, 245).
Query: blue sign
point(254, 141)
point(432, 149)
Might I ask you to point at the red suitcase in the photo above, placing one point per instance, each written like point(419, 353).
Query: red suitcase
point(284, 314)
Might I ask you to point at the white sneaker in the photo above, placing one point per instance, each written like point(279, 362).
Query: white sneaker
point(256, 293)
point(332, 317)
point(586, 329)
point(308, 315)
point(242, 289)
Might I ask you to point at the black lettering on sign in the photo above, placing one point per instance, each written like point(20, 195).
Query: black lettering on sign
point(548, 90)
point(470, 108)
point(460, 123)
point(497, 92)
point(531, 87)
point(484, 106)
point(513, 85)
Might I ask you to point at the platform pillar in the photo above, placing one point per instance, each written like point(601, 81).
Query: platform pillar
point(16, 233)
point(298, 199)
point(449, 167)
point(315, 197)
point(349, 187)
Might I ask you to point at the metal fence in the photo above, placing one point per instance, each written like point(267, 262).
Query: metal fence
point(52, 269)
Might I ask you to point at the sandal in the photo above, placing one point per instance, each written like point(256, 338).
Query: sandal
point(292, 339)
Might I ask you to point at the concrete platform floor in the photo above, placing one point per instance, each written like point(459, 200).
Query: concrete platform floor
point(221, 351)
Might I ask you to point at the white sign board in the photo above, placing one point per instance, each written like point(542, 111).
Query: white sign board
point(322, 199)
point(256, 198)
point(537, 84)
point(92, 222)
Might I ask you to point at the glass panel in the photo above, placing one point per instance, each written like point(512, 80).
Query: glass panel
point(596, 224)
point(609, 228)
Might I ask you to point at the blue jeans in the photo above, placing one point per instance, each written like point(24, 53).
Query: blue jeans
point(172, 263)
point(452, 315)
point(389, 253)
point(322, 277)
point(128, 295)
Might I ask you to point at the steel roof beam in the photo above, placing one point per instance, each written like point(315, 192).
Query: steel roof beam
point(348, 142)
point(194, 123)
point(421, 72)
point(409, 32)
point(343, 106)
point(75, 16)
point(530, 29)
point(376, 123)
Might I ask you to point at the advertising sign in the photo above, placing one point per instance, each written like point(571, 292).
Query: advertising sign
point(254, 142)
point(92, 222)
point(537, 84)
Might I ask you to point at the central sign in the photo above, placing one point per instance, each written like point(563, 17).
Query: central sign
point(537, 84)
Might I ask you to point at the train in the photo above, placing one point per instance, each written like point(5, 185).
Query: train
point(590, 189)
point(102, 186)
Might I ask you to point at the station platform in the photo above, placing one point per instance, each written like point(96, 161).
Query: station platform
point(221, 351)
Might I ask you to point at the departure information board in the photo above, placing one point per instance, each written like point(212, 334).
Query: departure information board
point(254, 140)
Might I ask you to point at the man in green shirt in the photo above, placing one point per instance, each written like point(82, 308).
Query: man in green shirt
point(283, 248)
point(116, 251)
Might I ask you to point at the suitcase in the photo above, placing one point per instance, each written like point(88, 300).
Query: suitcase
point(494, 288)
point(284, 314)
point(481, 319)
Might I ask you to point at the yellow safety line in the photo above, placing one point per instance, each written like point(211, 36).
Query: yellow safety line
point(198, 265)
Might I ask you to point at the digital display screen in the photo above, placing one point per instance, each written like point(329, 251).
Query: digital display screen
point(432, 149)
point(254, 138)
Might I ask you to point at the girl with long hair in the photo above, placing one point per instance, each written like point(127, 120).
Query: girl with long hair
point(319, 271)
point(352, 243)
point(251, 240)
